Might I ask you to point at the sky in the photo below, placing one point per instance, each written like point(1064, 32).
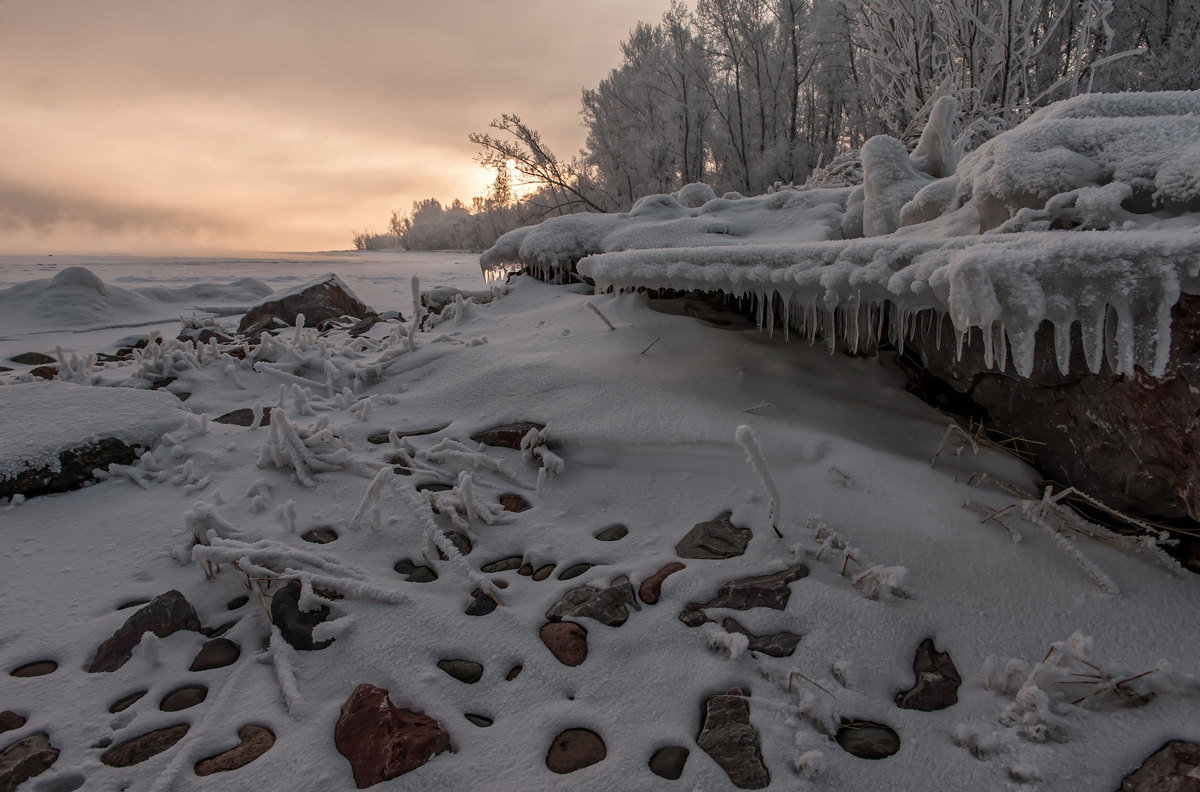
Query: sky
point(179, 126)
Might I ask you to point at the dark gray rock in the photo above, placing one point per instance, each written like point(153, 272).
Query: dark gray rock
point(506, 435)
point(482, 605)
point(182, 698)
point(466, 671)
point(868, 740)
point(760, 591)
point(668, 762)
point(125, 702)
point(1172, 768)
point(165, 614)
point(612, 533)
point(320, 300)
point(937, 681)
point(574, 749)
point(322, 535)
point(502, 565)
point(733, 743)
point(217, 653)
point(75, 468)
point(415, 573)
point(244, 417)
point(35, 669)
point(10, 720)
point(33, 359)
point(25, 759)
point(380, 438)
point(608, 605)
point(574, 571)
point(295, 625)
point(717, 538)
point(780, 644)
point(482, 721)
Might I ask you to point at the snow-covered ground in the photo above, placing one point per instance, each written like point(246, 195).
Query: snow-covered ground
point(645, 419)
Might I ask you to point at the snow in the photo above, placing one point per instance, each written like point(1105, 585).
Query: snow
point(1087, 213)
point(645, 422)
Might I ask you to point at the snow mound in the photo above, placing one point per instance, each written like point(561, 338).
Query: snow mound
point(44, 419)
point(1086, 214)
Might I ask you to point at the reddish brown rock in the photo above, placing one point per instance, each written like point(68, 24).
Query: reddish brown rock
point(567, 641)
point(141, 748)
point(514, 503)
point(381, 741)
point(165, 614)
point(255, 741)
point(10, 720)
point(320, 300)
point(651, 588)
point(45, 372)
point(574, 749)
point(1172, 768)
point(937, 681)
point(35, 669)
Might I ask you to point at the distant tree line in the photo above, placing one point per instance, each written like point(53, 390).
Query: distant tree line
point(742, 94)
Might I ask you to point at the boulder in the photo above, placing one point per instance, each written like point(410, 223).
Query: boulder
point(319, 300)
point(732, 741)
point(1172, 768)
point(717, 538)
point(382, 741)
point(25, 759)
point(165, 614)
point(606, 605)
point(1128, 441)
point(937, 681)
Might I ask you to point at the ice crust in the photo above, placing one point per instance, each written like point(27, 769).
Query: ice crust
point(1087, 213)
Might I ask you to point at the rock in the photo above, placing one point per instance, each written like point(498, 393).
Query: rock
point(1172, 768)
point(467, 671)
point(542, 572)
point(761, 591)
point(651, 588)
point(203, 335)
point(182, 698)
point(35, 669)
point(482, 721)
point(379, 438)
point(482, 605)
point(567, 641)
point(511, 502)
point(717, 538)
point(668, 762)
point(780, 644)
point(437, 298)
point(506, 435)
point(937, 681)
point(33, 359)
point(364, 324)
point(319, 300)
point(296, 625)
point(382, 741)
point(710, 308)
point(868, 740)
point(503, 565)
point(729, 738)
point(165, 614)
point(125, 702)
point(74, 469)
point(574, 749)
point(44, 372)
point(10, 720)
point(255, 741)
point(237, 602)
point(574, 571)
point(415, 573)
point(217, 653)
point(141, 748)
point(245, 417)
point(612, 533)
point(1127, 440)
point(321, 535)
point(25, 759)
point(460, 541)
point(605, 605)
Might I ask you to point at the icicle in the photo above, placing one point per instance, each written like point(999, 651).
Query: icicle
point(1062, 346)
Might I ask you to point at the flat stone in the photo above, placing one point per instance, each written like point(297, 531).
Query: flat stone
point(141, 748)
point(780, 644)
point(33, 359)
point(717, 538)
point(608, 605)
point(133, 603)
point(44, 372)
point(380, 438)
point(10, 720)
point(732, 741)
point(255, 741)
point(567, 641)
point(506, 435)
point(1172, 768)
point(318, 301)
point(217, 653)
point(574, 571)
point(526, 570)
point(237, 602)
point(503, 565)
point(574, 749)
point(467, 671)
point(868, 740)
point(512, 502)
point(182, 698)
point(482, 605)
point(125, 702)
point(482, 721)
point(542, 572)
point(296, 625)
point(26, 759)
point(321, 535)
point(244, 417)
point(35, 669)
point(165, 614)
point(668, 762)
point(760, 591)
point(460, 541)
point(612, 533)
point(651, 588)
point(937, 681)
point(513, 673)
point(415, 573)
point(382, 741)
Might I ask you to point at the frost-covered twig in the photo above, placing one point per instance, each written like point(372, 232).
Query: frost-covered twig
point(749, 443)
point(592, 307)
